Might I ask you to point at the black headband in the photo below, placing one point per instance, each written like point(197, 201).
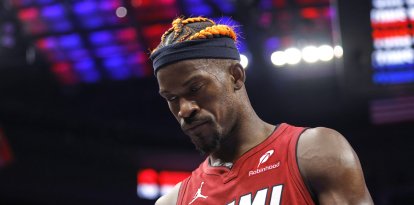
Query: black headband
point(203, 48)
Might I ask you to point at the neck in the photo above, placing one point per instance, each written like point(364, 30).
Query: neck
point(248, 132)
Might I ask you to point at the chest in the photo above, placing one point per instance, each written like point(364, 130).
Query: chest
point(261, 179)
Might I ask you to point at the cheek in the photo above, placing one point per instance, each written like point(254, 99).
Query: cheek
point(218, 103)
point(174, 109)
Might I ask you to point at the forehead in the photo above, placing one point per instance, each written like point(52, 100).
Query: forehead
point(179, 72)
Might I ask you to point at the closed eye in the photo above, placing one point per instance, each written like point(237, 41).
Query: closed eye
point(171, 99)
point(196, 88)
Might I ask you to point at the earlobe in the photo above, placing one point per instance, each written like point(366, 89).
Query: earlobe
point(238, 75)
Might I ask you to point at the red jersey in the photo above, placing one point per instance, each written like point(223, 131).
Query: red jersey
point(266, 174)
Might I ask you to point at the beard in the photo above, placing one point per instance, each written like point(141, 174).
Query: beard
point(206, 144)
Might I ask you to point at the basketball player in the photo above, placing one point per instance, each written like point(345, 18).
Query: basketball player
point(249, 161)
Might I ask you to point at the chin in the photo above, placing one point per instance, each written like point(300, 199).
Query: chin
point(206, 145)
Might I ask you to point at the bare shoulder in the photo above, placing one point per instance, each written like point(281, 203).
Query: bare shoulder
point(170, 198)
point(331, 167)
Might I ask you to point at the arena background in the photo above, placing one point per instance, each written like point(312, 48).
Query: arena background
point(81, 121)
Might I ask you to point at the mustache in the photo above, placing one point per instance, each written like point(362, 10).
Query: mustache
point(188, 123)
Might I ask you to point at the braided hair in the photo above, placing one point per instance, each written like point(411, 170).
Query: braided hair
point(193, 29)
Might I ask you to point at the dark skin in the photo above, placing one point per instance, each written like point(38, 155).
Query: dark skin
point(209, 100)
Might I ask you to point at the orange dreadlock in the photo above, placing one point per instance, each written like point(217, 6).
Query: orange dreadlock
point(193, 29)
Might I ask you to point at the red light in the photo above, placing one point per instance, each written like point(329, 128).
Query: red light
point(154, 33)
point(147, 3)
point(127, 35)
point(279, 3)
point(309, 2)
point(141, 3)
point(172, 178)
point(147, 176)
point(167, 2)
point(28, 14)
point(390, 25)
point(64, 73)
point(390, 33)
point(309, 13)
point(5, 151)
point(46, 43)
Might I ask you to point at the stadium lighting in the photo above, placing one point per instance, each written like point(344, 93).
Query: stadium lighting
point(338, 51)
point(121, 12)
point(310, 54)
point(278, 58)
point(293, 56)
point(244, 61)
point(326, 53)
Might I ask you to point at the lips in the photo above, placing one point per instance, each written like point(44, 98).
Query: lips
point(193, 126)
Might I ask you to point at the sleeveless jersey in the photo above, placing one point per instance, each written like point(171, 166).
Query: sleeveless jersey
point(267, 174)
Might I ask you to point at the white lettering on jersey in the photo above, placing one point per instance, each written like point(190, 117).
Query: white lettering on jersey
point(276, 194)
point(261, 196)
point(259, 199)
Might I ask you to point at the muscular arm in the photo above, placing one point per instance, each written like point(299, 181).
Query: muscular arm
point(331, 167)
point(170, 198)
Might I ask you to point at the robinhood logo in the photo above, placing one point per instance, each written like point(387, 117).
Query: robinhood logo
point(262, 160)
point(265, 157)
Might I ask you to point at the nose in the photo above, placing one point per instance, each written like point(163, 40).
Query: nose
point(187, 108)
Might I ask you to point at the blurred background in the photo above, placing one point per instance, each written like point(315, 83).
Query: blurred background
point(81, 121)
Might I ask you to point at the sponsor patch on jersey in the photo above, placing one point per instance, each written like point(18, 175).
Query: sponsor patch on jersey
point(264, 158)
point(264, 169)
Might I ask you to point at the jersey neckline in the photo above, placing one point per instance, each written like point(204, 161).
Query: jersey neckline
point(228, 174)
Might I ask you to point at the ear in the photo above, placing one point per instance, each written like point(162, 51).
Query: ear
point(238, 75)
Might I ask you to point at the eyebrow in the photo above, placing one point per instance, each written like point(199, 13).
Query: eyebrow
point(190, 80)
point(193, 78)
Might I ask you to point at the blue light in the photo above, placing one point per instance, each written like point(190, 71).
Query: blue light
point(84, 65)
point(54, 12)
point(78, 54)
point(92, 22)
point(120, 73)
point(114, 62)
point(241, 46)
point(378, 67)
point(199, 10)
point(271, 45)
point(86, 70)
point(61, 26)
point(226, 20)
point(101, 38)
point(266, 4)
point(117, 68)
point(399, 77)
point(193, 2)
point(225, 6)
point(107, 51)
point(109, 5)
point(70, 41)
point(90, 76)
point(44, 1)
point(85, 8)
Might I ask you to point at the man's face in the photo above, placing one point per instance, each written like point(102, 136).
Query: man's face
point(200, 96)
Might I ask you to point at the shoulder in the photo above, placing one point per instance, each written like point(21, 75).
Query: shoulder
point(171, 197)
point(325, 146)
point(331, 167)
point(322, 152)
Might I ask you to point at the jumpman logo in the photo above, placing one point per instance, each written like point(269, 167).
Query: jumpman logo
point(198, 194)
